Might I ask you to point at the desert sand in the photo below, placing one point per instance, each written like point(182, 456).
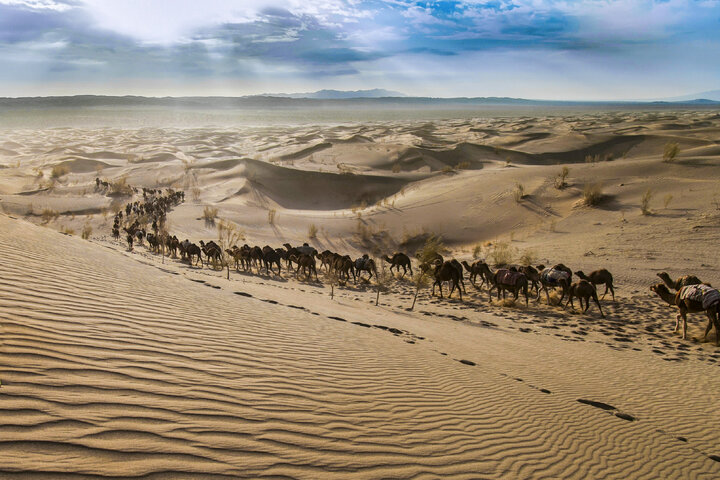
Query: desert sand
point(128, 364)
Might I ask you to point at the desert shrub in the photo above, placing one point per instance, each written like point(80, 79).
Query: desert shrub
point(500, 253)
point(519, 192)
point(477, 250)
point(396, 168)
point(121, 187)
point(210, 214)
point(433, 246)
point(58, 171)
point(667, 199)
point(528, 257)
point(670, 151)
point(271, 216)
point(462, 166)
point(645, 202)
point(561, 179)
point(592, 194)
point(420, 280)
point(48, 215)
point(67, 230)
point(86, 231)
point(448, 169)
point(312, 231)
point(195, 194)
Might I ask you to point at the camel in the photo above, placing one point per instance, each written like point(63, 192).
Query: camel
point(307, 263)
point(446, 272)
point(399, 260)
point(584, 290)
point(458, 266)
point(192, 250)
point(344, 266)
point(270, 257)
point(212, 251)
point(599, 277)
point(478, 268)
point(506, 280)
point(326, 259)
point(533, 277)
point(556, 276)
point(365, 264)
point(256, 256)
point(680, 282)
point(690, 306)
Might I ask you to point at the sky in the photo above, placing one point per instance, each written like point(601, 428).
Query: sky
point(540, 49)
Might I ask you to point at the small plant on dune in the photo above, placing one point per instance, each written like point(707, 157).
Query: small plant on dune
point(462, 166)
point(528, 257)
point(229, 235)
point(59, 171)
point(667, 199)
point(519, 192)
point(670, 151)
point(420, 280)
point(592, 194)
point(271, 216)
point(120, 187)
point(195, 194)
point(447, 169)
point(396, 168)
point(477, 250)
point(561, 179)
point(501, 254)
point(86, 231)
point(209, 215)
point(48, 215)
point(433, 247)
point(312, 231)
point(645, 202)
point(382, 280)
point(67, 230)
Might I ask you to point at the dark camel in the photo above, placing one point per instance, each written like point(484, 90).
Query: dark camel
point(506, 280)
point(344, 266)
point(271, 257)
point(399, 260)
point(533, 277)
point(680, 282)
point(212, 251)
point(689, 306)
point(478, 268)
point(599, 277)
point(446, 272)
point(307, 263)
point(584, 290)
point(365, 264)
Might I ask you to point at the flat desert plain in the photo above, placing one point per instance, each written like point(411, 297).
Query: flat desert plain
point(119, 363)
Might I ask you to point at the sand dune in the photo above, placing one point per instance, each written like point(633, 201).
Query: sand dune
point(129, 364)
point(213, 383)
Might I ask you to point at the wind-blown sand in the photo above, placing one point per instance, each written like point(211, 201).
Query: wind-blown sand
point(124, 364)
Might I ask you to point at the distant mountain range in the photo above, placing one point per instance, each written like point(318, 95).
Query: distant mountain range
point(712, 95)
point(324, 98)
point(338, 94)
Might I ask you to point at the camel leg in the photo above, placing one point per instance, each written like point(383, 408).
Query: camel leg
point(677, 322)
point(684, 317)
point(570, 301)
point(440, 286)
point(598, 305)
point(612, 290)
point(709, 325)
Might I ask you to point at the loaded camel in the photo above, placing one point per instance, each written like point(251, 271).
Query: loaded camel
point(599, 277)
point(557, 276)
point(680, 282)
point(365, 264)
point(584, 290)
point(506, 280)
point(307, 263)
point(687, 305)
point(399, 260)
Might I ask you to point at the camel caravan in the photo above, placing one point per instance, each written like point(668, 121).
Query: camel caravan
point(687, 293)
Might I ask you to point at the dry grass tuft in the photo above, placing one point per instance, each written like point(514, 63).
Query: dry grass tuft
point(592, 194)
point(59, 171)
point(667, 199)
point(670, 151)
point(519, 192)
point(49, 215)
point(86, 231)
point(528, 257)
point(561, 179)
point(210, 214)
point(500, 253)
point(312, 231)
point(645, 202)
point(271, 216)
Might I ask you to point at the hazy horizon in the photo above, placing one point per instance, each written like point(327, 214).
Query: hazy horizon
point(536, 49)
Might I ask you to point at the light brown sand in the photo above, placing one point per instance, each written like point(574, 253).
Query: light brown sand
point(116, 364)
